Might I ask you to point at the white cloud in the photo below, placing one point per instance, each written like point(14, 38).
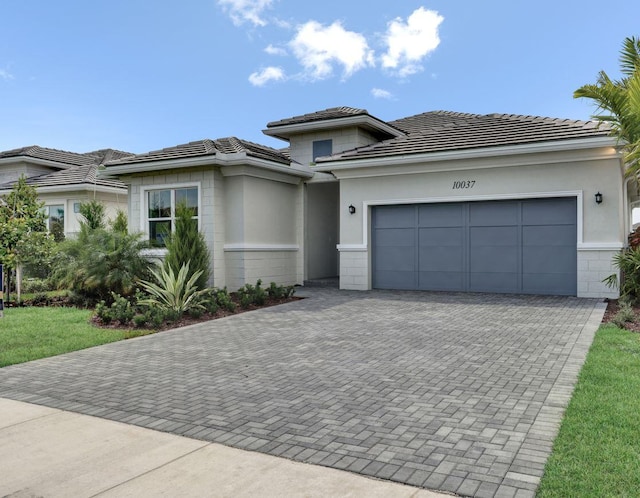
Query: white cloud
point(409, 42)
point(267, 74)
point(271, 50)
point(379, 93)
point(5, 75)
point(318, 48)
point(242, 11)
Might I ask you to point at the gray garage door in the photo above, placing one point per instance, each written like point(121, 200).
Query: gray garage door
point(526, 246)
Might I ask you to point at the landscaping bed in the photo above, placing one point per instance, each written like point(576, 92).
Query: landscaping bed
point(613, 308)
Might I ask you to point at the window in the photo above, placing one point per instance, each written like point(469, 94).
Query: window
point(322, 148)
point(161, 210)
point(55, 220)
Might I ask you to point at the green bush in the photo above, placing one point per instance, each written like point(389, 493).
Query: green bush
point(223, 298)
point(624, 315)
point(120, 310)
point(172, 293)
point(187, 245)
point(100, 262)
point(628, 262)
point(250, 294)
point(31, 285)
point(276, 291)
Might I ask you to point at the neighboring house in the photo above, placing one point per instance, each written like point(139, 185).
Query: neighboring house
point(435, 201)
point(63, 180)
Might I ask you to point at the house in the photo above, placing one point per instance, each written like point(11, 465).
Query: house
point(436, 201)
point(63, 180)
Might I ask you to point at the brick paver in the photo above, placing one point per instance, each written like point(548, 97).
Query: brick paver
point(456, 392)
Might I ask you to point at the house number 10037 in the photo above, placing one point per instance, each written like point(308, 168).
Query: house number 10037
point(464, 184)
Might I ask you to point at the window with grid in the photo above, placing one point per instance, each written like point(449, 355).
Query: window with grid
point(55, 220)
point(161, 210)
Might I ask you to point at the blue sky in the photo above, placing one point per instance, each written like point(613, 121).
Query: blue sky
point(139, 75)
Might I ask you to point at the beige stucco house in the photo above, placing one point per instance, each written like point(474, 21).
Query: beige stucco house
point(435, 201)
point(63, 180)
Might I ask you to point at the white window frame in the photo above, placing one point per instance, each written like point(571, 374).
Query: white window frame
point(47, 209)
point(144, 203)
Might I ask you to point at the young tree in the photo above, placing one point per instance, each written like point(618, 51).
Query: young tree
point(93, 213)
point(186, 245)
point(23, 230)
point(618, 102)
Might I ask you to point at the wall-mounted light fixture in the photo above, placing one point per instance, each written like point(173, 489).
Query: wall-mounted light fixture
point(352, 209)
point(598, 198)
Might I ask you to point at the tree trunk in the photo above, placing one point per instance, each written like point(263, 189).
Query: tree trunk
point(18, 283)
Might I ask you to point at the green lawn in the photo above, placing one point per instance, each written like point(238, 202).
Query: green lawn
point(597, 453)
point(31, 333)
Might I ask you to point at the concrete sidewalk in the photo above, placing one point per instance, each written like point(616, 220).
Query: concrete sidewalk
point(48, 453)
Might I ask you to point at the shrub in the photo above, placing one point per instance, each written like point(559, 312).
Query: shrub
point(174, 294)
point(250, 294)
point(31, 285)
point(40, 299)
point(624, 315)
point(209, 301)
point(223, 298)
point(276, 291)
point(628, 262)
point(100, 262)
point(119, 311)
point(187, 245)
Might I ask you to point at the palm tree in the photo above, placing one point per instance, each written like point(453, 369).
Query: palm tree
point(618, 103)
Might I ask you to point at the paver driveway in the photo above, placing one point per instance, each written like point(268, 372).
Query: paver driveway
point(455, 392)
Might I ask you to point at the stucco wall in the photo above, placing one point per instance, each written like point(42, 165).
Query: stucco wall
point(301, 146)
point(262, 231)
point(11, 172)
point(112, 203)
point(251, 225)
point(601, 229)
point(203, 178)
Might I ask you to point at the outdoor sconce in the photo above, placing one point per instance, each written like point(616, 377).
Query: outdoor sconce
point(598, 198)
point(352, 209)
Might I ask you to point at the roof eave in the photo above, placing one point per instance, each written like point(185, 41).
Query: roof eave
point(220, 159)
point(285, 132)
point(37, 161)
point(476, 153)
point(53, 189)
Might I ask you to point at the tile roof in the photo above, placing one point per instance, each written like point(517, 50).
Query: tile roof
point(439, 131)
point(78, 175)
point(80, 168)
point(207, 147)
point(59, 156)
point(332, 113)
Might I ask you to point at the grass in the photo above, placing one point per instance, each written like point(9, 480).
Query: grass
point(597, 452)
point(32, 332)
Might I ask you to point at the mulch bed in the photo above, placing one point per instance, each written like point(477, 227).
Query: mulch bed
point(189, 320)
point(612, 308)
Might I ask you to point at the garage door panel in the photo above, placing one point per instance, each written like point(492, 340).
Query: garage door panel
point(493, 213)
point(549, 212)
point(548, 260)
point(550, 235)
point(549, 283)
point(493, 282)
point(441, 281)
point(440, 215)
point(401, 237)
point(395, 216)
point(449, 236)
point(498, 259)
point(441, 258)
point(395, 258)
point(493, 236)
point(403, 280)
